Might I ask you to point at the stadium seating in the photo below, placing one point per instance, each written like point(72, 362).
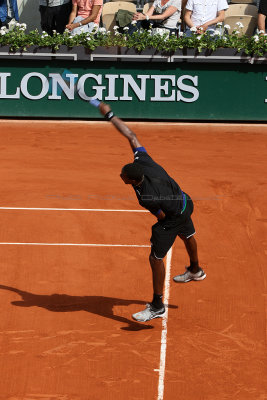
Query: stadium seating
point(241, 9)
point(244, 13)
point(139, 3)
point(243, 1)
point(147, 7)
point(248, 21)
point(110, 9)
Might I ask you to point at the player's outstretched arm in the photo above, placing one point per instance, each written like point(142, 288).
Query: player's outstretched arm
point(120, 125)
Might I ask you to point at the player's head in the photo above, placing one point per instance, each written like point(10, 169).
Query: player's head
point(132, 174)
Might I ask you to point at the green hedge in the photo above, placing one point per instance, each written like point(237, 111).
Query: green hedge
point(17, 39)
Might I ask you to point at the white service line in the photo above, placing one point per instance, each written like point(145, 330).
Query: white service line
point(71, 209)
point(74, 244)
point(163, 347)
point(99, 122)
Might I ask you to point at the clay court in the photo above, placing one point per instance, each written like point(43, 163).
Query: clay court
point(74, 248)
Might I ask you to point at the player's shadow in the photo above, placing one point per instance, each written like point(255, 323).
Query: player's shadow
point(99, 305)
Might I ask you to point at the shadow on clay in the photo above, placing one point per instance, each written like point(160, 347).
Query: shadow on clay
point(99, 305)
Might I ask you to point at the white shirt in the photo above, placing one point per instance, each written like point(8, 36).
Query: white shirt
point(53, 3)
point(172, 21)
point(205, 10)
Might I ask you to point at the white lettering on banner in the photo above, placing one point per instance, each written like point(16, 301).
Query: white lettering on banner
point(3, 93)
point(159, 86)
point(67, 88)
point(111, 87)
point(187, 88)
point(128, 80)
point(98, 89)
point(24, 86)
point(167, 88)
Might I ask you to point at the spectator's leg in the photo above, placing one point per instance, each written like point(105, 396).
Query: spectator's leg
point(92, 27)
point(82, 29)
point(53, 11)
point(136, 27)
point(62, 17)
point(188, 32)
point(174, 32)
point(46, 19)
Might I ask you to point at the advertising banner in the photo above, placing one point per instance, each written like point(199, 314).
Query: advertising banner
point(156, 91)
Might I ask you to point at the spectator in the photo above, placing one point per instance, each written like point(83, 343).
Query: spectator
point(85, 16)
point(54, 15)
point(262, 16)
point(182, 15)
point(8, 11)
point(204, 15)
point(162, 14)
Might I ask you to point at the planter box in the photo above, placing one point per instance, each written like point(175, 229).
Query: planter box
point(39, 53)
point(123, 54)
point(64, 53)
point(146, 55)
point(220, 55)
point(102, 54)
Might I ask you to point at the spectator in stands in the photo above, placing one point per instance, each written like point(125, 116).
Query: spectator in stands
point(204, 15)
point(54, 15)
point(85, 16)
point(182, 15)
point(162, 14)
point(262, 16)
point(8, 11)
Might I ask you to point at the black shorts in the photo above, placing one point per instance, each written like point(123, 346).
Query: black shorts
point(55, 18)
point(165, 232)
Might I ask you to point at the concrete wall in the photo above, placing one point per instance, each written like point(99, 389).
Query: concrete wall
point(29, 14)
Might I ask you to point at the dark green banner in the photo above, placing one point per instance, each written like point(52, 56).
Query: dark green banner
point(163, 91)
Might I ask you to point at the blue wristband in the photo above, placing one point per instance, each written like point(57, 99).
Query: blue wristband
point(94, 102)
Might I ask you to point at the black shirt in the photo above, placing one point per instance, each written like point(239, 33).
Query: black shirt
point(263, 7)
point(158, 191)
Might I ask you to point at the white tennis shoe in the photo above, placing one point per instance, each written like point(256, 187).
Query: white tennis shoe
point(149, 313)
point(189, 276)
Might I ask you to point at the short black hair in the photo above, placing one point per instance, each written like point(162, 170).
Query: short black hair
point(133, 171)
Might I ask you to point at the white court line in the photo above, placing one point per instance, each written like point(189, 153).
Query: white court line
point(74, 244)
point(140, 123)
point(163, 347)
point(71, 209)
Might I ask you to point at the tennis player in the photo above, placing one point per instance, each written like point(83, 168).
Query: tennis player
point(161, 195)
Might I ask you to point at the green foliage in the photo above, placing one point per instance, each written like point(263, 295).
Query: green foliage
point(17, 40)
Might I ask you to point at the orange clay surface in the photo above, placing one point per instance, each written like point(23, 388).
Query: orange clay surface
point(66, 331)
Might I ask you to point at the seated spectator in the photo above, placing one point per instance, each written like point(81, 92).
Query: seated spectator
point(182, 15)
point(204, 15)
point(162, 14)
point(54, 15)
point(8, 11)
point(262, 16)
point(85, 16)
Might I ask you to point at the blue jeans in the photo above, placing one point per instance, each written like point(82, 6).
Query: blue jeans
point(209, 31)
point(82, 29)
point(146, 25)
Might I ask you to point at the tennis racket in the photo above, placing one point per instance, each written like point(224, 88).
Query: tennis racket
point(77, 88)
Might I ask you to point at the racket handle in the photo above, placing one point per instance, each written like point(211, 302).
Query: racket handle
point(95, 102)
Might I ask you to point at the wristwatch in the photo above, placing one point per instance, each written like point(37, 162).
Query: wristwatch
point(147, 17)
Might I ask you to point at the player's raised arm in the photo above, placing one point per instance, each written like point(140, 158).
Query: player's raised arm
point(120, 125)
